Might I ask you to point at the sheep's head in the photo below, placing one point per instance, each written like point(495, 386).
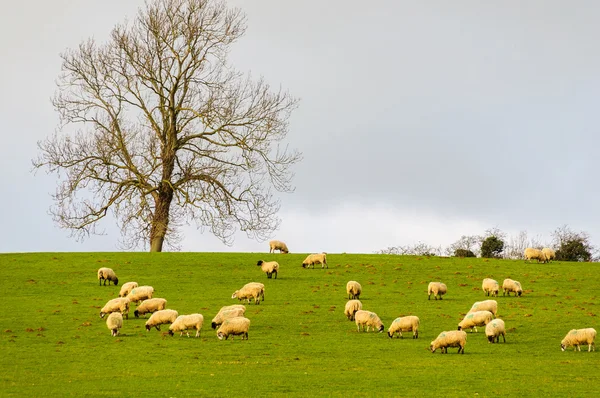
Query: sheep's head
point(381, 327)
point(148, 327)
point(116, 281)
point(170, 332)
point(136, 313)
point(102, 314)
point(431, 347)
point(390, 334)
point(304, 265)
point(220, 335)
point(519, 293)
point(260, 262)
point(285, 251)
point(213, 325)
point(490, 339)
point(459, 327)
point(234, 295)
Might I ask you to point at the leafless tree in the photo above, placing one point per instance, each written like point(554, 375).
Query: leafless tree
point(158, 129)
point(417, 249)
point(466, 242)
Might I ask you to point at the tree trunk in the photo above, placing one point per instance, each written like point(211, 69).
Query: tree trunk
point(160, 221)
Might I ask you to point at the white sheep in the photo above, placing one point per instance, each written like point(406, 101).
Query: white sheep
point(140, 293)
point(405, 324)
point(576, 337)
point(438, 289)
point(474, 319)
point(490, 286)
point(237, 326)
point(534, 254)
point(249, 291)
point(114, 322)
point(494, 329)
point(278, 245)
point(107, 274)
point(351, 307)
point(161, 317)
point(149, 306)
point(452, 338)
point(367, 320)
point(184, 323)
point(127, 288)
point(354, 289)
point(549, 254)
point(269, 267)
point(312, 259)
point(513, 286)
point(486, 305)
point(226, 314)
point(120, 304)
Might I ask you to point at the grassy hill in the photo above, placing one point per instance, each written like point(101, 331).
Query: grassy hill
point(54, 343)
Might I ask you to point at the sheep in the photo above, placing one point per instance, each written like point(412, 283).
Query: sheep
point(140, 293)
point(278, 245)
point(127, 288)
point(452, 338)
point(237, 326)
point(107, 274)
point(490, 286)
point(226, 314)
point(114, 322)
point(351, 307)
point(494, 329)
point(438, 289)
point(368, 319)
point(575, 337)
point(549, 254)
point(510, 285)
point(269, 267)
point(534, 254)
point(149, 306)
point(474, 319)
point(313, 259)
point(120, 304)
point(354, 289)
point(161, 317)
point(252, 290)
point(185, 322)
point(405, 324)
point(486, 305)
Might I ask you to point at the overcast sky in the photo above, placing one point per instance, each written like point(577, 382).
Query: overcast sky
point(418, 120)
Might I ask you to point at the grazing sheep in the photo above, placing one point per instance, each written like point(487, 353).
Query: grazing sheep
point(184, 323)
point(312, 259)
point(114, 322)
point(249, 291)
point(269, 267)
point(494, 329)
point(534, 254)
point(127, 288)
point(490, 286)
point(354, 289)
point(223, 315)
point(107, 274)
point(140, 293)
point(351, 307)
point(575, 337)
point(549, 254)
point(237, 326)
point(438, 289)
point(368, 319)
point(278, 245)
point(405, 324)
point(486, 305)
point(161, 317)
point(149, 306)
point(120, 304)
point(474, 319)
point(510, 285)
point(452, 338)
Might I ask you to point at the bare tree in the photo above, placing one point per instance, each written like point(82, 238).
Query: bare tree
point(166, 131)
point(470, 243)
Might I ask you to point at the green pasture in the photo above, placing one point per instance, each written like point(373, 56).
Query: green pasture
point(53, 342)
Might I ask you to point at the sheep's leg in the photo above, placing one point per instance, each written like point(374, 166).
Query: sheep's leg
point(198, 333)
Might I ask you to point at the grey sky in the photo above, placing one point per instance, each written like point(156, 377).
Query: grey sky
point(418, 120)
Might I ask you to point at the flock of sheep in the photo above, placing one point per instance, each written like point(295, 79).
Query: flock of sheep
point(230, 320)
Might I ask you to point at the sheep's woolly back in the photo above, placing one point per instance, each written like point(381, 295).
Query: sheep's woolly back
point(367, 320)
point(351, 307)
point(127, 288)
point(511, 286)
point(114, 322)
point(490, 286)
point(278, 245)
point(438, 289)
point(494, 330)
point(549, 253)
point(534, 254)
point(353, 289)
point(234, 327)
point(120, 304)
point(160, 318)
point(474, 319)
point(140, 293)
point(107, 274)
point(486, 305)
point(577, 337)
point(150, 305)
point(183, 323)
point(451, 338)
point(405, 324)
point(317, 258)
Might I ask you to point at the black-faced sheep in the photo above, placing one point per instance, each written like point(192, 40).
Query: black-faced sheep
point(107, 274)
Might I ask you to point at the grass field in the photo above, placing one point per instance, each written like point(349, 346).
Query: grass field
point(300, 343)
